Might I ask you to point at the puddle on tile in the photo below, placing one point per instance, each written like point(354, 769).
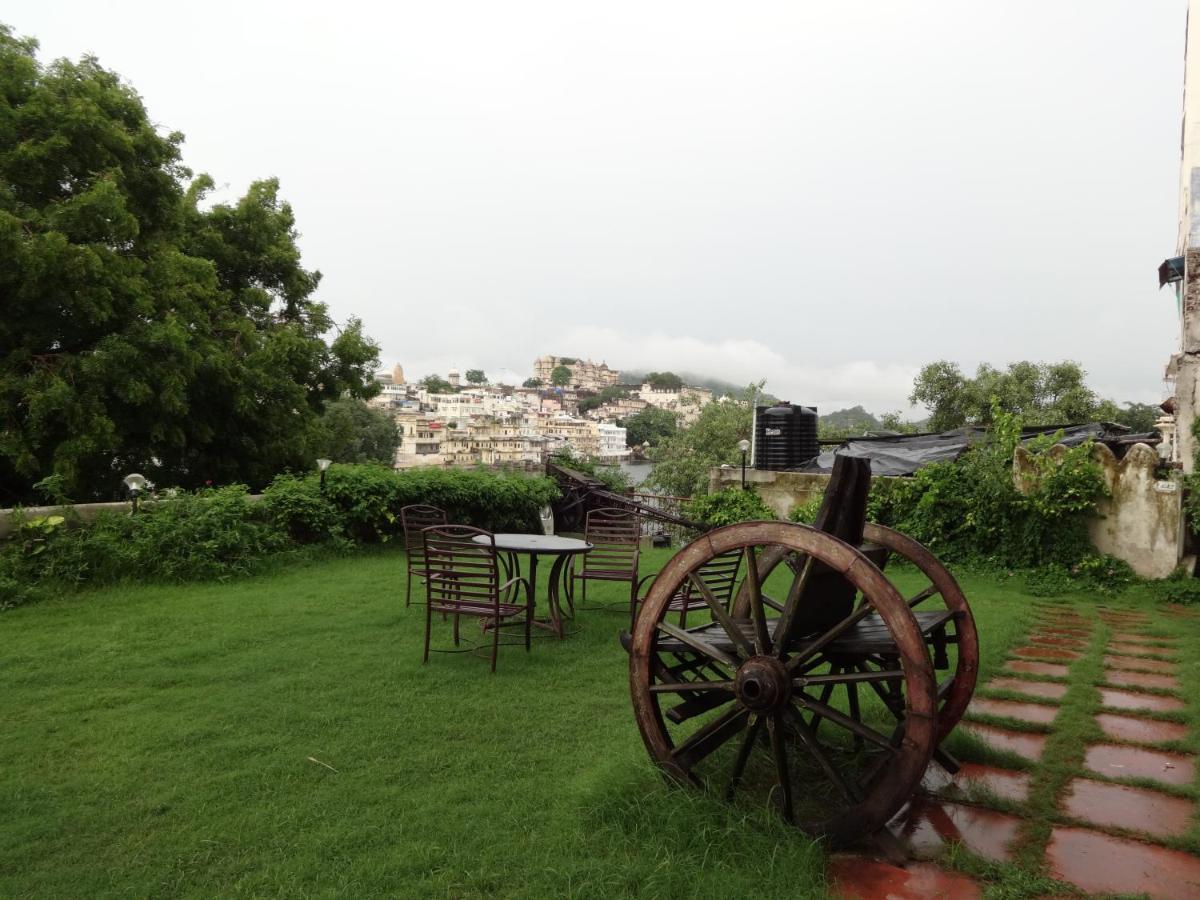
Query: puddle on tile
point(858, 878)
point(1035, 713)
point(1135, 664)
point(1098, 863)
point(1115, 761)
point(976, 780)
point(1022, 743)
point(1029, 667)
point(1132, 808)
point(930, 825)
point(1049, 690)
point(1140, 731)
point(1115, 699)
point(1122, 678)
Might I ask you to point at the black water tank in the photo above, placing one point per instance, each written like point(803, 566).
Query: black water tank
point(785, 436)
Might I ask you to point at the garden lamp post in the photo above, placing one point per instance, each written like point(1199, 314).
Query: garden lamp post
point(744, 446)
point(323, 464)
point(136, 484)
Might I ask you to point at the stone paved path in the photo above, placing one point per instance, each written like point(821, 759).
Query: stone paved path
point(1128, 801)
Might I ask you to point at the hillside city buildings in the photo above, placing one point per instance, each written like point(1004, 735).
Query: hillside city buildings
point(505, 425)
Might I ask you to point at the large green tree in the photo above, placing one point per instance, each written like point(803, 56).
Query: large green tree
point(560, 376)
point(354, 432)
point(141, 329)
point(651, 425)
point(682, 461)
point(1040, 393)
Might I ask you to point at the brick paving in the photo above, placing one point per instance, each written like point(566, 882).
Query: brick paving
point(1110, 847)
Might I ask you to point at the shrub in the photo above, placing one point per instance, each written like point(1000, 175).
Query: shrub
point(971, 510)
point(806, 513)
point(727, 507)
point(221, 533)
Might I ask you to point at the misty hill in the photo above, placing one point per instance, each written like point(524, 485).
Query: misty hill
point(718, 386)
point(854, 420)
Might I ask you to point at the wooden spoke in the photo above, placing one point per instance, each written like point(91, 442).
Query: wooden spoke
point(762, 640)
point(710, 738)
point(779, 750)
point(816, 646)
point(745, 648)
point(845, 676)
point(924, 595)
point(698, 644)
point(828, 712)
point(743, 756)
point(691, 686)
point(791, 606)
point(814, 748)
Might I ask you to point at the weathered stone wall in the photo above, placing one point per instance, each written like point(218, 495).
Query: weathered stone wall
point(1142, 521)
point(782, 491)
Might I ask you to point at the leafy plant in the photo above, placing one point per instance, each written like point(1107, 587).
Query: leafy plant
point(728, 507)
point(806, 513)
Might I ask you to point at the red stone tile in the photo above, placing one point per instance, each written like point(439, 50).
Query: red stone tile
point(1115, 699)
point(1023, 744)
point(1025, 712)
point(1050, 690)
point(1140, 731)
point(1132, 808)
point(1129, 637)
point(1141, 679)
point(1140, 650)
point(975, 780)
point(1098, 863)
point(856, 878)
point(1046, 653)
point(1056, 640)
point(1135, 664)
point(1114, 761)
point(1052, 670)
point(1183, 612)
point(930, 825)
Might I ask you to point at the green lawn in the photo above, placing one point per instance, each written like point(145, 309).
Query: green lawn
point(279, 736)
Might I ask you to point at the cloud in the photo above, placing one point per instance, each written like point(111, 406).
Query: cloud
point(878, 387)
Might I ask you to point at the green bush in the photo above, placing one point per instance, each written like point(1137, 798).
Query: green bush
point(806, 513)
point(970, 510)
point(727, 507)
point(220, 533)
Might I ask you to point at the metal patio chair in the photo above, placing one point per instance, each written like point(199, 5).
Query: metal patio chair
point(414, 519)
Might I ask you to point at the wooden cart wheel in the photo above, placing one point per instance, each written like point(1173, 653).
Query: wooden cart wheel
point(955, 690)
point(742, 704)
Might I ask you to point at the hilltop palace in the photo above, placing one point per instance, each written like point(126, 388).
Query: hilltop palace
point(507, 425)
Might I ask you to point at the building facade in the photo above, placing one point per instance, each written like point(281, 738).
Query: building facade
point(585, 374)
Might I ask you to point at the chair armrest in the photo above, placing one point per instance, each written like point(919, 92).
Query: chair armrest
point(514, 580)
point(643, 580)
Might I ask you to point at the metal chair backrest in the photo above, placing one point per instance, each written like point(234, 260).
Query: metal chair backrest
point(414, 519)
point(460, 572)
point(616, 536)
point(720, 576)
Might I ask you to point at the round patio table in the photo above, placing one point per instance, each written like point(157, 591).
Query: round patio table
point(534, 546)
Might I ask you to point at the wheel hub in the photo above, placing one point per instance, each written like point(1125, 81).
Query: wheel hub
point(762, 684)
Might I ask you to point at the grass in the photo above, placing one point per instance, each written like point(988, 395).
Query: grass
point(279, 736)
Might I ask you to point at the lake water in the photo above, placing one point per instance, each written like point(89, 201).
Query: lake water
point(636, 471)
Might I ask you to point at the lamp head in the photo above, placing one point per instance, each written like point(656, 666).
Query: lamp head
point(135, 483)
point(743, 445)
point(323, 464)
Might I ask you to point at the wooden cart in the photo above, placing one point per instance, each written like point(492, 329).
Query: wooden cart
point(816, 687)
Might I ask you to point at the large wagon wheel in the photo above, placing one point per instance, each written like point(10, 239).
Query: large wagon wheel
point(740, 704)
point(955, 690)
point(940, 630)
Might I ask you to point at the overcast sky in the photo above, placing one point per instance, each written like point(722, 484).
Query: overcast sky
point(824, 195)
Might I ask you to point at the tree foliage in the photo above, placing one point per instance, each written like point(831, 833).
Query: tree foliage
point(142, 331)
point(475, 376)
point(436, 384)
point(604, 395)
point(664, 381)
point(651, 425)
point(682, 460)
point(1040, 393)
point(354, 432)
point(531, 383)
point(560, 376)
